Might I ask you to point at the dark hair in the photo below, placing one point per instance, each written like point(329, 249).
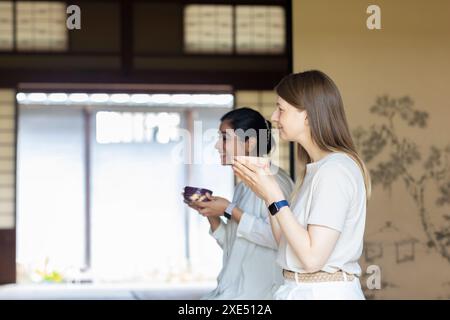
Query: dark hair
point(250, 122)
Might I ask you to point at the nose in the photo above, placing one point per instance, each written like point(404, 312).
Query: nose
point(218, 145)
point(275, 116)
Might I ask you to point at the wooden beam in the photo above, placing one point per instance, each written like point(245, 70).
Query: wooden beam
point(126, 36)
point(7, 256)
point(250, 80)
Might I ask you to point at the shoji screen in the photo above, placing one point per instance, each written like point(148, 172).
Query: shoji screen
point(7, 159)
point(6, 25)
point(41, 26)
point(7, 186)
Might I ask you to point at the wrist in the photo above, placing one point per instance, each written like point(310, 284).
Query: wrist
point(276, 206)
point(228, 211)
point(237, 214)
point(274, 198)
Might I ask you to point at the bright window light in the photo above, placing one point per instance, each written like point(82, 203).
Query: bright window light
point(57, 97)
point(154, 100)
point(181, 98)
point(140, 98)
point(99, 97)
point(78, 97)
point(120, 98)
point(21, 97)
point(37, 97)
point(161, 98)
point(137, 127)
point(223, 99)
point(202, 98)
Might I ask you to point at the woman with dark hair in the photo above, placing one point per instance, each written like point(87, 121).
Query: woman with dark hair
point(320, 234)
point(249, 270)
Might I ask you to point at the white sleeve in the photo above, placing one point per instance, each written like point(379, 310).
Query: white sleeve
point(333, 190)
point(219, 234)
point(256, 230)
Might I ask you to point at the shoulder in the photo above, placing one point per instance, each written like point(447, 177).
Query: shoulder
point(340, 169)
point(339, 164)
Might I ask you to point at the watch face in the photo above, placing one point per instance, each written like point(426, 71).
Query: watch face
point(273, 208)
point(276, 206)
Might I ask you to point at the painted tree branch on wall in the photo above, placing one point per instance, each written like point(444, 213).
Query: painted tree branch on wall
point(403, 153)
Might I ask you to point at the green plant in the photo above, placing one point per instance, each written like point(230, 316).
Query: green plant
point(49, 276)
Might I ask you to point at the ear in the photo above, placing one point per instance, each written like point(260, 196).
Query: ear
point(306, 119)
point(250, 146)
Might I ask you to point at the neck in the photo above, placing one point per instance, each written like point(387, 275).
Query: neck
point(314, 152)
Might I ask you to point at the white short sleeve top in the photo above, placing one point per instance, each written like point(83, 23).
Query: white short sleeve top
point(333, 194)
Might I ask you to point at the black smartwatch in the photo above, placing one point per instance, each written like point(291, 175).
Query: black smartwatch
point(275, 207)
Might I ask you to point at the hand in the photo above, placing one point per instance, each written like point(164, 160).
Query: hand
point(191, 204)
point(213, 208)
point(260, 180)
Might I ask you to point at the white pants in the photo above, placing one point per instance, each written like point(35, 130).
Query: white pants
point(333, 290)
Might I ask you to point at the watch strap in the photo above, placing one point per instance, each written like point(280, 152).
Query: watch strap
point(275, 207)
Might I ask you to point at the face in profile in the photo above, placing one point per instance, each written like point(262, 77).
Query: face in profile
point(291, 122)
point(229, 144)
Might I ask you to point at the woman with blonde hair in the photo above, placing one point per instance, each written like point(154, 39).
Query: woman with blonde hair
point(320, 232)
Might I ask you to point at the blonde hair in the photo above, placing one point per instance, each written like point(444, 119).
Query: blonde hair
point(316, 93)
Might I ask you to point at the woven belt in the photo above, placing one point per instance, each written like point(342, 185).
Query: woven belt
point(320, 276)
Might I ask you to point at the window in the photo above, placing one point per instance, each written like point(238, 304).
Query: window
point(208, 28)
point(7, 159)
point(40, 26)
point(242, 28)
point(137, 127)
point(99, 182)
point(260, 29)
point(6, 25)
point(50, 191)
